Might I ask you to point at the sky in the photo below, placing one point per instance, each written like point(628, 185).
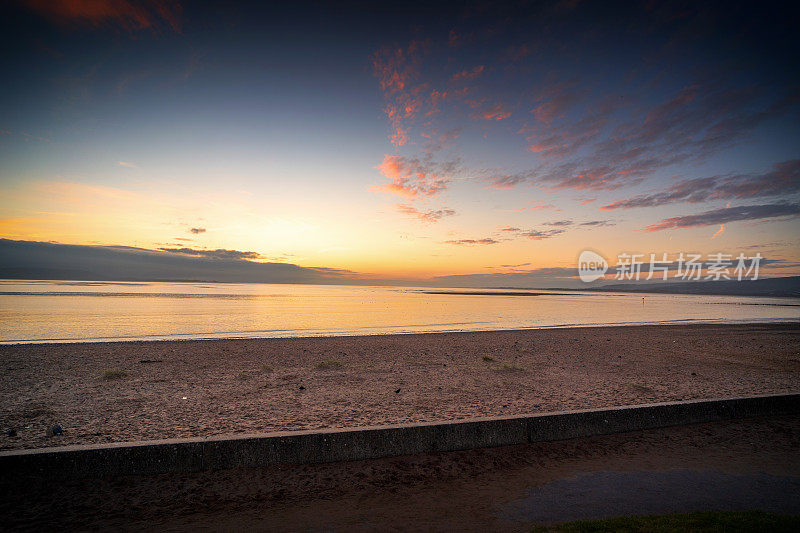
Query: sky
point(456, 141)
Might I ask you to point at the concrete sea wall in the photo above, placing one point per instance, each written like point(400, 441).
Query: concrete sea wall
point(212, 453)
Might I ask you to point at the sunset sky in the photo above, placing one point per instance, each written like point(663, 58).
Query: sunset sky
point(428, 140)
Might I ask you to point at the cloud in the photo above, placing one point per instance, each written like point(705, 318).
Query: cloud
point(397, 70)
point(538, 235)
point(598, 223)
point(585, 132)
point(511, 229)
point(607, 145)
point(537, 277)
point(719, 232)
point(540, 206)
point(495, 112)
point(555, 100)
point(27, 137)
point(127, 15)
point(219, 253)
point(472, 242)
point(507, 181)
point(782, 179)
point(40, 260)
point(728, 214)
point(466, 75)
point(412, 177)
point(570, 176)
point(513, 54)
point(558, 223)
point(126, 164)
point(425, 216)
point(436, 141)
point(690, 126)
point(197, 231)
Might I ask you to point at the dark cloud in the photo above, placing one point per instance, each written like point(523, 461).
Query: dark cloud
point(729, 214)
point(598, 223)
point(537, 277)
point(472, 242)
point(690, 126)
point(197, 231)
point(332, 271)
point(39, 260)
point(539, 235)
point(781, 179)
point(213, 254)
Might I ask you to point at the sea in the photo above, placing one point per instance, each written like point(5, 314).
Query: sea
point(41, 311)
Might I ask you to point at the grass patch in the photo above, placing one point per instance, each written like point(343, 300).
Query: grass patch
point(700, 521)
point(328, 364)
point(114, 374)
point(488, 358)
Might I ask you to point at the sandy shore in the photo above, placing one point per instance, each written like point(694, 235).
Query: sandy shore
point(223, 387)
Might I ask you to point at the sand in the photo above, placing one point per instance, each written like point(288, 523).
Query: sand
point(226, 387)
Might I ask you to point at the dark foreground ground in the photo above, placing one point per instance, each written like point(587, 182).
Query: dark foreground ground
point(117, 392)
point(736, 465)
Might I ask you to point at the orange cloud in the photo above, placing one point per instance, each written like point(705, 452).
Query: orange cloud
point(397, 69)
point(538, 206)
point(410, 177)
point(124, 14)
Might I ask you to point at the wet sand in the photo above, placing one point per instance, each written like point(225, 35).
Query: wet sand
point(749, 464)
point(225, 387)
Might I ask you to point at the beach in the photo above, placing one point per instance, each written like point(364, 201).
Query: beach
point(132, 391)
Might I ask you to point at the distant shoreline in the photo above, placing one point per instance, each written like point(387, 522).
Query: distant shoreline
point(778, 287)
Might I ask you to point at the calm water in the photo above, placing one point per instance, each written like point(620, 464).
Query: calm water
point(70, 310)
